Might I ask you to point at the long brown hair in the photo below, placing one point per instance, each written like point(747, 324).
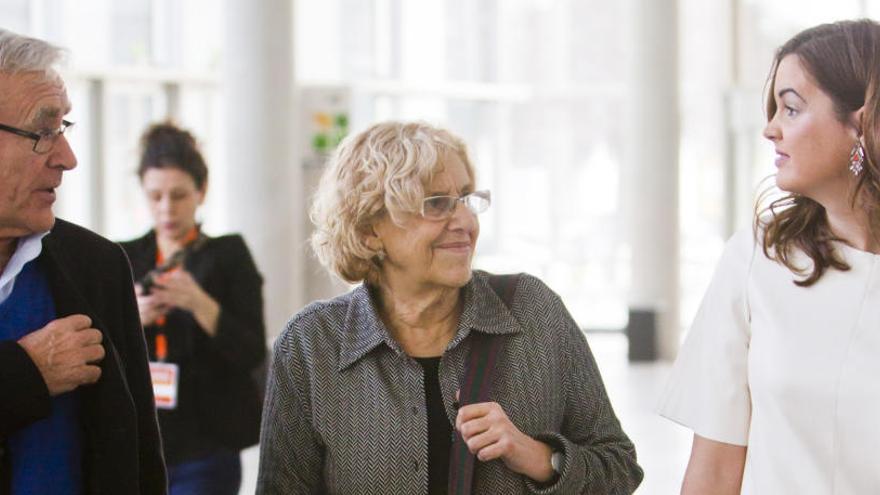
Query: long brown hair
point(843, 59)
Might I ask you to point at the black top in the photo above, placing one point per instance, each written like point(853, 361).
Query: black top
point(89, 275)
point(439, 428)
point(218, 401)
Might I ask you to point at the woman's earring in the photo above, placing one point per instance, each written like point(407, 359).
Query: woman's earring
point(380, 255)
point(857, 159)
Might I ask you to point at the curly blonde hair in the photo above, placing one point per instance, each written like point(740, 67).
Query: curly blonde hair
point(381, 170)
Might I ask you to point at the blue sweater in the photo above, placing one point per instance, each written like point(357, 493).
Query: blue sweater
point(46, 456)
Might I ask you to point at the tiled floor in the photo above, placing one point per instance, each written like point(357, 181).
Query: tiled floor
point(662, 446)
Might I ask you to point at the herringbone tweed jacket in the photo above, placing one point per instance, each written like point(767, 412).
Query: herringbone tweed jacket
point(345, 406)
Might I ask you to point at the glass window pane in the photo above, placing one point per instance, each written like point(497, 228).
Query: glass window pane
point(16, 15)
point(131, 32)
point(87, 33)
point(78, 184)
point(130, 108)
point(200, 114)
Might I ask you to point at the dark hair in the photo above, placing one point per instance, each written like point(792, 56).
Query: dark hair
point(165, 145)
point(843, 59)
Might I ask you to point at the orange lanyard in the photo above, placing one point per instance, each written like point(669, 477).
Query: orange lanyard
point(161, 347)
point(161, 339)
point(191, 236)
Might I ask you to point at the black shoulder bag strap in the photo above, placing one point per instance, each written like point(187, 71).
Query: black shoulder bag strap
point(476, 386)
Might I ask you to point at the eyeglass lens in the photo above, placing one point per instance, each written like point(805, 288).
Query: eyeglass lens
point(442, 206)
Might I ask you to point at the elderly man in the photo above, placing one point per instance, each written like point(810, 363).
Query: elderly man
point(76, 404)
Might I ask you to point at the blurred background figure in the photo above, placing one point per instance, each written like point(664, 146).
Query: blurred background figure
point(200, 302)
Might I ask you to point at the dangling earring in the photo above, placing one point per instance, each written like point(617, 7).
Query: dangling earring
point(380, 255)
point(857, 159)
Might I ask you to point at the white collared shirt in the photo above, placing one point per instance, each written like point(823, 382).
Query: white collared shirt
point(28, 249)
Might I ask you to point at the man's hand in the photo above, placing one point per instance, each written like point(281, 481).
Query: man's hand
point(65, 351)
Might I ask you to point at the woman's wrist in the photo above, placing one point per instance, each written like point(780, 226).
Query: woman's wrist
point(537, 465)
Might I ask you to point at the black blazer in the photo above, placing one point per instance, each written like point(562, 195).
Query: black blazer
point(90, 275)
point(219, 398)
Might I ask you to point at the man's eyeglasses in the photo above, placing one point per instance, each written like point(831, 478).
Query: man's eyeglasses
point(43, 141)
point(442, 207)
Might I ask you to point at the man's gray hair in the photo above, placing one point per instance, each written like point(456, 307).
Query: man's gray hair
point(24, 54)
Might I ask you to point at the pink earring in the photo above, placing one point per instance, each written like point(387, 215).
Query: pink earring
point(857, 159)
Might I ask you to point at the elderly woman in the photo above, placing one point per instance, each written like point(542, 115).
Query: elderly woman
point(364, 389)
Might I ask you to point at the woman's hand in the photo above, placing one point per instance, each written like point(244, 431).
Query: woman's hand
point(149, 308)
point(490, 434)
point(180, 290)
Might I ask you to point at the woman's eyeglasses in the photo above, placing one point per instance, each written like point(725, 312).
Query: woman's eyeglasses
point(442, 207)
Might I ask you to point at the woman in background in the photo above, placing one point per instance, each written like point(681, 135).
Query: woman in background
point(778, 377)
point(200, 302)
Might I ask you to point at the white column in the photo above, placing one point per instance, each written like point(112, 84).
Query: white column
point(264, 185)
point(651, 187)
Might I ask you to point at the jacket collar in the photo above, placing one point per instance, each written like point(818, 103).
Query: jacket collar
point(68, 298)
point(364, 330)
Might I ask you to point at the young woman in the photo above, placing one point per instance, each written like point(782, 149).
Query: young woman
point(202, 313)
point(778, 377)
